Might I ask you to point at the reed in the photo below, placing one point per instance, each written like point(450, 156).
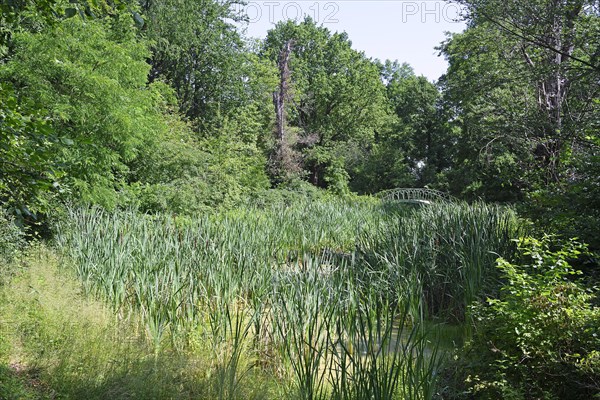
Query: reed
point(332, 296)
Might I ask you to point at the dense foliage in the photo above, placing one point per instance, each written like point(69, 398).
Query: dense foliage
point(181, 119)
point(91, 79)
point(11, 239)
point(539, 338)
point(529, 127)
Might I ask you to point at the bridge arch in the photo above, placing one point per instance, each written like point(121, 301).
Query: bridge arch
point(415, 195)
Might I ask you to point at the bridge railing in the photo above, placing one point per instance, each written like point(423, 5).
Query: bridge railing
point(415, 195)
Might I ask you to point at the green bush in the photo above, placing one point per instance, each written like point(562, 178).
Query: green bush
point(539, 339)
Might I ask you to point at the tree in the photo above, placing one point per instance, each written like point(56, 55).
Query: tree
point(186, 175)
point(86, 80)
point(496, 117)
point(554, 46)
point(528, 127)
point(32, 16)
point(545, 44)
point(284, 160)
point(421, 124)
point(537, 81)
point(28, 172)
point(414, 150)
point(199, 52)
point(338, 101)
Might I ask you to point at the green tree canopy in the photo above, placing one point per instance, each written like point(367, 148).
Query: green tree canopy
point(337, 98)
point(523, 89)
point(88, 80)
point(199, 52)
point(415, 148)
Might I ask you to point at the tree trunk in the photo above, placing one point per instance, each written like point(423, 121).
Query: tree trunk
point(285, 161)
point(553, 89)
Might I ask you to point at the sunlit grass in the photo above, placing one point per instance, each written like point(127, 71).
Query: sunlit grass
point(59, 343)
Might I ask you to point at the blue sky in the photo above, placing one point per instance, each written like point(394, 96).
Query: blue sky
point(386, 29)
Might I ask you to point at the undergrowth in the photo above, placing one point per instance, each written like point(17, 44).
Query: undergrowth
point(57, 343)
point(324, 300)
point(538, 339)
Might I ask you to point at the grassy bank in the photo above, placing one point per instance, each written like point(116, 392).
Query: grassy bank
point(58, 343)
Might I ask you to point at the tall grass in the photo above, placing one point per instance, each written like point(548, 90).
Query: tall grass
point(444, 253)
point(330, 296)
point(12, 239)
point(57, 344)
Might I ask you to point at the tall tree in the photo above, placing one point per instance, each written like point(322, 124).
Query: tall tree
point(548, 41)
point(338, 99)
point(197, 49)
point(523, 85)
point(285, 160)
point(414, 150)
point(84, 84)
point(497, 117)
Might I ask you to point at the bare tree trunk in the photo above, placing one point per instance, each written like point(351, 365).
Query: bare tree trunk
point(553, 90)
point(280, 96)
point(285, 161)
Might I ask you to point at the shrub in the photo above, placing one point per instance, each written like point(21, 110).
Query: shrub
point(539, 338)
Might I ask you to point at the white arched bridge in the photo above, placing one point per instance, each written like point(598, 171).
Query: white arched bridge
point(415, 195)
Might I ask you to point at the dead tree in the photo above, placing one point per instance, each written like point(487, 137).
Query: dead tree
point(285, 161)
point(281, 95)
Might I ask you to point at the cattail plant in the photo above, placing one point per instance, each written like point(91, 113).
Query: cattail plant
point(334, 297)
